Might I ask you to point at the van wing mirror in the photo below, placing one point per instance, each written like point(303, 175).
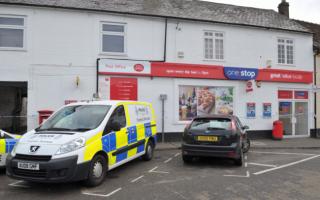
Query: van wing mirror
point(245, 127)
point(115, 126)
point(1, 134)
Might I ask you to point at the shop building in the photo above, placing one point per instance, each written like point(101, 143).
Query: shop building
point(199, 57)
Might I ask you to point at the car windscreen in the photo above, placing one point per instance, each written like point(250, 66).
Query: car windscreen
point(76, 118)
point(211, 124)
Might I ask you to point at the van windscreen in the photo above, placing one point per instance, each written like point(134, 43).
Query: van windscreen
point(76, 118)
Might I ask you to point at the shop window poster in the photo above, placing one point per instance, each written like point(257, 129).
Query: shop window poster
point(198, 101)
point(266, 110)
point(251, 110)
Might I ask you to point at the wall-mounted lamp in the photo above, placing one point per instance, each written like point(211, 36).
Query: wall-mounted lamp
point(77, 81)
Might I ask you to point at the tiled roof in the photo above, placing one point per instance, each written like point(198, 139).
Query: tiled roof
point(315, 28)
point(183, 9)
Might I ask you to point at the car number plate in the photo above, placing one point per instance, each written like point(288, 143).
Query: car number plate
point(207, 138)
point(29, 166)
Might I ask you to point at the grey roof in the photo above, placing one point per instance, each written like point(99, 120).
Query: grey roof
point(184, 9)
point(315, 28)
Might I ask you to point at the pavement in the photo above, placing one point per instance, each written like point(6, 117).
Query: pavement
point(288, 143)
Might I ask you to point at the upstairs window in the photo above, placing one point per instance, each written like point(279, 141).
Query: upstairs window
point(286, 51)
point(113, 36)
point(213, 45)
point(12, 32)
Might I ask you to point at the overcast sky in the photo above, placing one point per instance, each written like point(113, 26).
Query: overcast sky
point(306, 10)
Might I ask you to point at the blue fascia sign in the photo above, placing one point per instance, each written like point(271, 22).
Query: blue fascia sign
point(237, 73)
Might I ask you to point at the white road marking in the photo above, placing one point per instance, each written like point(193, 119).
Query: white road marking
point(264, 165)
point(151, 170)
point(136, 179)
point(283, 153)
point(245, 157)
point(239, 176)
point(258, 143)
point(168, 160)
point(102, 195)
point(286, 165)
point(177, 154)
point(245, 164)
point(16, 184)
point(154, 171)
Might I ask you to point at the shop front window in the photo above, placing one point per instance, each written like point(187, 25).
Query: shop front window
point(198, 101)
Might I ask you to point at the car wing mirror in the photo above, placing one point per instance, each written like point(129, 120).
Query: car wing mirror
point(245, 127)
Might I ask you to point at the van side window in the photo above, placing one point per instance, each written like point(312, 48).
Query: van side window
point(119, 116)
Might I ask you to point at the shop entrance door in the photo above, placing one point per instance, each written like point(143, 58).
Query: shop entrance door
point(301, 115)
point(294, 116)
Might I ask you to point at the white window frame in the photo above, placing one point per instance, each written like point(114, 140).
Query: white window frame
point(113, 33)
point(24, 28)
point(285, 51)
point(214, 50)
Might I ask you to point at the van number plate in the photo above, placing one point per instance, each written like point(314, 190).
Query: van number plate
point(28, 166)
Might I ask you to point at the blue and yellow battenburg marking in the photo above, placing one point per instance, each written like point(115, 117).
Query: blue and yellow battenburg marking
point(6, 145)
point(134, 134)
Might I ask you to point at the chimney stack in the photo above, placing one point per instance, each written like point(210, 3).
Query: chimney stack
point(284, 8)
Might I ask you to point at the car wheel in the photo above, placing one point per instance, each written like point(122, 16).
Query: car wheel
point(187, 159)
point(97, 171)
point(239, 162)
point(149, 151)
point(246, 145)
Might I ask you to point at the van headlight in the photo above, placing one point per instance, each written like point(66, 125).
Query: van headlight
point(71, 146)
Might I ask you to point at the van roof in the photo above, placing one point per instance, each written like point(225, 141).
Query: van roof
point(105, 102)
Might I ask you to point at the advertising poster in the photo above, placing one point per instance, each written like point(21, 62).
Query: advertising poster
point(266, 110)
point(285, 108)
point(251, 110)
point(196, 101)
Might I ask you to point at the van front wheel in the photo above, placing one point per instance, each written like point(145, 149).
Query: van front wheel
point(149, 151)
point(97, 171)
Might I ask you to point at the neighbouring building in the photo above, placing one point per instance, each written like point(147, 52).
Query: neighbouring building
point(200, 57)
point(315, 28)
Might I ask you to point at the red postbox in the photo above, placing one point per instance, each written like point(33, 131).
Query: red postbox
point(277, 132)
point(44, 114)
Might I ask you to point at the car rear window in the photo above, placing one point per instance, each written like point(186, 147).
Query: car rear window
point(211, 124)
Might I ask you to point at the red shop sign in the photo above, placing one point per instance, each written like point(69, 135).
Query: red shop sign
point(287, 76)
point(123, 88)
point(285, 94)
point(187, 70)
point(301, 95)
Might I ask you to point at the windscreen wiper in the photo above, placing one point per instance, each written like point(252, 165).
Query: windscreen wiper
point(55, 129)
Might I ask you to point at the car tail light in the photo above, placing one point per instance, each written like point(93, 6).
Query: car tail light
point(233, 126)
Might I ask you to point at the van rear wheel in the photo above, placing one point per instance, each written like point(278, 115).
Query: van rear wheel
point(149, 151)
point(97, 171)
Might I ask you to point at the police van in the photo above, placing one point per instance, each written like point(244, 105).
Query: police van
point(7, 142)
point(82, 141)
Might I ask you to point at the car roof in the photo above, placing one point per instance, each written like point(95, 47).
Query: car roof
point(215, 116)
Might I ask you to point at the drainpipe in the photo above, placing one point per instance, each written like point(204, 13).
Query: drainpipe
point(316, 52)
point(97, 76)
point(165, 41)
